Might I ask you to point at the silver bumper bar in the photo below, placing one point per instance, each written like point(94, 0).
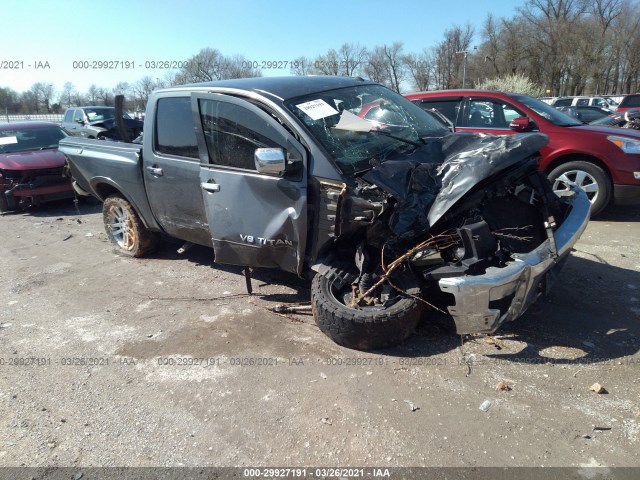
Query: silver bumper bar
point(522, 279)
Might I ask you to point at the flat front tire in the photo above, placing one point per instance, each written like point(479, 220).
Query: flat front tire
point(125, 229)
point(368, 328)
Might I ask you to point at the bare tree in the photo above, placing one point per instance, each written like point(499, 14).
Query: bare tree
point(376, 66)
point(237, 66)
point(209, 64)
point(351, 58)
point(67, 92)
point(327, 64)
point(449, 56)
point(9, 100)
point(93, 94)
point(420, 67)
point(394, 64)
point(301, 66)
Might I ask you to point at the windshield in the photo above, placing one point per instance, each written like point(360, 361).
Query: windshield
point(358, 125)
point(28, 139)
point(100, 114)
point(550, 113)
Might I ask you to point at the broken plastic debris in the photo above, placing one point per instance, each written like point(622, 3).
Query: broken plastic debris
point(486, 405)
point(601, 429)
point(596, 387)
point(88, 234)
point(411, 405)
point(503, 387)
point(325, 420)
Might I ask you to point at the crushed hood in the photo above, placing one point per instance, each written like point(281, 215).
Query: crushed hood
point(433, 178)
point(110, 123)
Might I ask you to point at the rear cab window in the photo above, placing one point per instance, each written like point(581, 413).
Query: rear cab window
point(174, 132)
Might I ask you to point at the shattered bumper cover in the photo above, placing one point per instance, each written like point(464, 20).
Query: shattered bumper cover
point(484, 302)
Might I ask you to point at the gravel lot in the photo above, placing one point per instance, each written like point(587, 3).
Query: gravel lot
point(165, 361)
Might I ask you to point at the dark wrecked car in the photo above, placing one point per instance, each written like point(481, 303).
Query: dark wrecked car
point(394, 217)
point(31, 167)
point(99, 122)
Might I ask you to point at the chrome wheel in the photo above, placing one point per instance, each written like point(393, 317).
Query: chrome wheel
point(122, 228)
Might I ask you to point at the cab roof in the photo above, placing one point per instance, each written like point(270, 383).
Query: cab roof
point(281, 87)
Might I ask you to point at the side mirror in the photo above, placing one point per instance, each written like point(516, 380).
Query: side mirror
point(270, 161)
point(80, 122)
point(521, 124)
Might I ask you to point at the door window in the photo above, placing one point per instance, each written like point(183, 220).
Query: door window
point(232, 134)
point(175, 134)
point(448, 107)
point(78, 115)
point(485, 113)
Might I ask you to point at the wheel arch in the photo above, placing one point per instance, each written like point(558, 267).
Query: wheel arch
point(577, 157)
point(104, 188)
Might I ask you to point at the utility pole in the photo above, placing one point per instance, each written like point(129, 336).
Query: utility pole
point(464, 65)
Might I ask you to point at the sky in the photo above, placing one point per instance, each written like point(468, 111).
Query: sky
point(51, 40)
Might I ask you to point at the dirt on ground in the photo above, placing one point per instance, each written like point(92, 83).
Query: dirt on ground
point(166, 361)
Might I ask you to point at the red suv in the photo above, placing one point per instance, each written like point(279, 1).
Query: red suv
point(629, 101)
point(604, 161)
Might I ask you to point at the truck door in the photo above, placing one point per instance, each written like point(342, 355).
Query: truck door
point(172, 170)
point(256, 219)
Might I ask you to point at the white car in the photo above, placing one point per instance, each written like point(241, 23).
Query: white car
point(601, 102)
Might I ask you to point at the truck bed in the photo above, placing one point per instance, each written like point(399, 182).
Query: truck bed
point(102, 167)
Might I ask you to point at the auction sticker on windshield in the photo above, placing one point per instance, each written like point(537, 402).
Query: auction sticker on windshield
point(8, 140)
point(317, 109)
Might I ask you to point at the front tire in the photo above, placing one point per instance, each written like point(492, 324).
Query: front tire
point(588, 176)
point(369, 328)
point(125, 229)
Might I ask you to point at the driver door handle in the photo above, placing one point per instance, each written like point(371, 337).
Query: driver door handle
point(155, 171)
point(211, 187)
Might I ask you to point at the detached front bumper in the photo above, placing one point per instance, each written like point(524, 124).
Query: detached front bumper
point(484, 302)
point(17, 194)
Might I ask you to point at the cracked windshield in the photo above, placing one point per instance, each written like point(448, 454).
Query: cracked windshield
point(365, 125)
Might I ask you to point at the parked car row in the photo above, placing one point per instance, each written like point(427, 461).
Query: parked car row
point(585, 114)
point(582, 101)
point(604, 161)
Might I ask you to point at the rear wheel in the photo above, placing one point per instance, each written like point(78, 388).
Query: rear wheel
point(365, 328)
point(588, 176)
point(125, 229)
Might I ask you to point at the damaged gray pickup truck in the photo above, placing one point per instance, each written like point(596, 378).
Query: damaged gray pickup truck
point(344, 178)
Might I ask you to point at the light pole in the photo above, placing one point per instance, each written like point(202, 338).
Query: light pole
point(464, 65)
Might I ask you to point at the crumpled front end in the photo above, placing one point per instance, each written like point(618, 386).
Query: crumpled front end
point(20, 188)
point(484, 302)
